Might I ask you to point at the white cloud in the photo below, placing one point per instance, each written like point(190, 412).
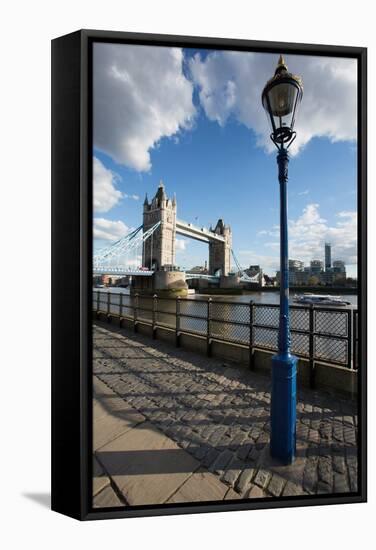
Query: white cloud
point(140, 96)
point(309, 232)
point(133, 197)
point(108, 230)
point(180, 244)
point(269, 264)
point(230, 86)
point(105, 193)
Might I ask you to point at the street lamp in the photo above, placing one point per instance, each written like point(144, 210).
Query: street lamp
point(280, 99)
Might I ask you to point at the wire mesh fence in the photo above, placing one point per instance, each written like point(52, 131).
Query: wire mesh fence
point(327, 334)
point(193, 316)
point(127, 306)
point(165, 312)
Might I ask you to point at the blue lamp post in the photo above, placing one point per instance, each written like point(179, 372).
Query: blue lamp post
point(280, 98)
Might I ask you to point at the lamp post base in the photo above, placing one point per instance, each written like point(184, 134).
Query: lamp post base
point(283, 408)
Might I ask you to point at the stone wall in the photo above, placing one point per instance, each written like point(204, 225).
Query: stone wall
point(164, 280)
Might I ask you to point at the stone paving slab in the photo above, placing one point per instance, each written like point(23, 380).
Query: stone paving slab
point(100, 479)
point(146, 465)
point(219, 414)
point(199, 487)
point(107, 498)
point(139, 464)
point(111, 417)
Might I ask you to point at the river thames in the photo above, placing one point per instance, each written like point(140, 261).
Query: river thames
point(259, 297)
point(270, 297)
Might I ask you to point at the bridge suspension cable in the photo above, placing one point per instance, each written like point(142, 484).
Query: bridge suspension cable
point(123, 250)
point(126, 253)
point(242, 273)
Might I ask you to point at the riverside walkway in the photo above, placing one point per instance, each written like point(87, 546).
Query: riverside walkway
point(171, 426)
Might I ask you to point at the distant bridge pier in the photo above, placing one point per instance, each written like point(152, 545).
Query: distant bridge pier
point(161, 282)
point(201, 284)
point(170, 280)
point(142, 285)
point(229, 281)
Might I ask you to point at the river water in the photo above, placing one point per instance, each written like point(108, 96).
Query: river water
point(270, 297)
point(259, 297)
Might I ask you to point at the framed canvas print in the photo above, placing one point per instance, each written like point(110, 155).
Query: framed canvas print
point(209, 274)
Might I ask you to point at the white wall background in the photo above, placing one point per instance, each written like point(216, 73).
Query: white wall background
point(26, 30)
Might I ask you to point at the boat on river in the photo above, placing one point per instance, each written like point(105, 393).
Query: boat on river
point(320, 299)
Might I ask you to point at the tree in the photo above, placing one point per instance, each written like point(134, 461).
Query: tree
point(313, 281)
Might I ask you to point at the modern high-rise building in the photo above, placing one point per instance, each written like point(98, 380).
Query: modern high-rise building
point(339, 266)
point(317, 267)
point(324, 272)
point(328, 256)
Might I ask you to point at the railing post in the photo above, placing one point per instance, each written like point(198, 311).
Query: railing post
point(153, 320)
point(120, 309)
point(177, 323)
point(98, 295)
point(208, 340)
point(311, 346)
point(135, 312)
point(355, 338)
point(251, 321)
point(349, 338)
point(108, 306)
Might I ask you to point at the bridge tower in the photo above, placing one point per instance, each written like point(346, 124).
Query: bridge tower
point(159, 249)
point(220, 252)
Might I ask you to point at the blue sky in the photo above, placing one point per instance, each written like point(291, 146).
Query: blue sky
point(208, 142)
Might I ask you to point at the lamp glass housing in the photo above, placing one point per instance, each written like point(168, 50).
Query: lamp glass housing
point(280, 99)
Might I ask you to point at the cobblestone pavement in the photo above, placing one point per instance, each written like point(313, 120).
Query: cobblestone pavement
point(219, 413)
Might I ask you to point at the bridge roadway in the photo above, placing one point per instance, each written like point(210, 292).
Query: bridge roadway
point(122, 272)
point(198, 233)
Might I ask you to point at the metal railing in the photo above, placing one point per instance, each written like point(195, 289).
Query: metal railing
point(318, 334)
point(355, 339)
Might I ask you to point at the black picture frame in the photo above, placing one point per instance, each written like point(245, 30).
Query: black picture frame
point(71, 271)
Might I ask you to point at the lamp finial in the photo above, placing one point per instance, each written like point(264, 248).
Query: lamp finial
point(281, 64)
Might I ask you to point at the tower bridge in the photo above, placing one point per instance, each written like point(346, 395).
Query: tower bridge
point(160, 250)
point(156, 260)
